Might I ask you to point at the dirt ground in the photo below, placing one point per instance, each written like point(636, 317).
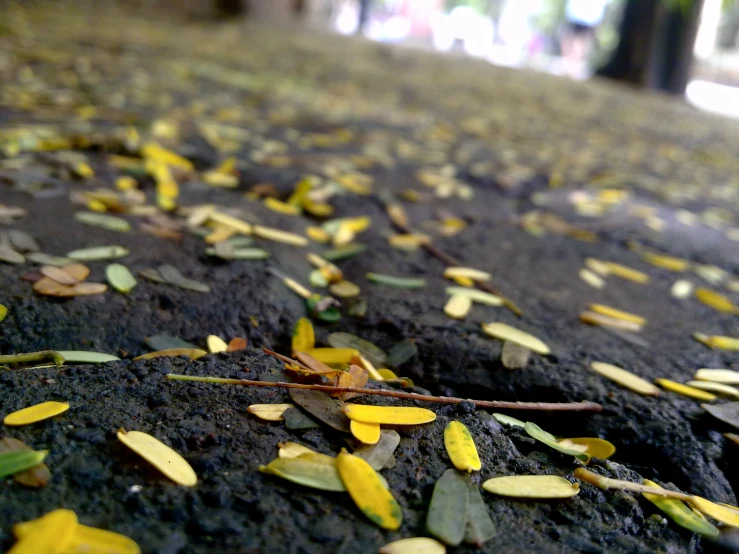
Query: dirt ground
point(287, 104)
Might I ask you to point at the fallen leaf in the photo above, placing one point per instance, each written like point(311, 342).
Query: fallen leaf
point(3, 312)
point(344, 252)
point(304, 337)
point(388, 415)
point(269, 412)
point(120, 278)
point(322, 407)
point(45, 259)
point(53, 534)
point(366, 489)
point(83, 357)
point(298, 420)
point(237, 343)
point(447, 513)
point(716, 301)
point(7, 254)
point(728, 413)
point(19, 461)
point(367, 433)
point(374, 354)
point(625, 378)
point(514, 356)
point(216, 344)
point(470, 273)
point(595, 447)
point(104, 221)
point(308, 469)
point(277, 235)
point(59, 275)
point(479, 527)
point(377, 455)
point(592, 278)
point(192, 353)
point(627, 273)
point(161, 456)
point(333, 356)
point(414, 545)
point(532, 486)
point(617, 314)
point(97, 253)
point(726, 376)
point(167, 342)
point(601, 320)
point(685, 390)
point(397, 282)
point(719, 388)
point(716, 511)
point(36, 413)
point(507, 333)
point(36, 476)
point(509, 420)
point(680, 513)
point(401, 352)
point(458, 306)
point(461, 447)
point(22, 242)
point(550, 440)
point(293, 450)
point(87, 540)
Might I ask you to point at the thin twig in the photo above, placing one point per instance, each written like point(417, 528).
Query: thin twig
point(606, 483)
point(450, 260)
point(584, 406)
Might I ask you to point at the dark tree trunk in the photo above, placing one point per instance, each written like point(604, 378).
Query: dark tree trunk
point(655, 49)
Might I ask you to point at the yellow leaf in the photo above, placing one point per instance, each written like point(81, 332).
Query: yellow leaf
point(155, 152)
point(711, 509)
point(357, 224)
point(464, 282)
point(716, 301)
point(318, 209)
point(269, 412)
point(618, 314)
point(532, 486)
point(592, 278)
point(235, 223)
point(88, 540)
point(366, 364)
point(592, 318)
point(461, 448)
point(304, 338)
point(39, 412)
point(626, 273)
point(625, 378)
point(597, 448)
point(295, 450)
point(720, 342)
point(344, 289)
point(506, 332)
point(727, 376)
point(125, 182)
point(277, 235)
point(281, 207)
point(468, 272)
point(388, 415)
point(367, 433)
point(685, 390)
point(161, 456)
point(51, 534)
point(387, 373)
point(220, 233)
point(409, 241)
point(665, 262)
point(476, 295)
point(415, 545)
point(333, 356)
point(458, 306)
point(364, 486)
point(344, 235)
point(720, 388)
point(216, 344)
point(192, 353)
point(317, 234)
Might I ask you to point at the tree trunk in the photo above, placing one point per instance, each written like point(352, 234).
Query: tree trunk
point(655, 49)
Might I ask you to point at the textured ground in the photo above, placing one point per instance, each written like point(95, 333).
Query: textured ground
point(287, 104)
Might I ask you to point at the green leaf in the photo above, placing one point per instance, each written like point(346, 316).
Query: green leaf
point(346, 340)
point(20, 460)
point(83, 357)
point(309, 470)
point(508, 420)
point(680, 513)
point(329, 315)
point(97, 253)
point(295, 419)
point(167, 342)
point(322, 407)
point(120, 277)
point(378, 455)
point(343, 252)
point(45, 259)
point(550, 440)
point(448, 509)
point(104, 221)
point(401, 352)
point(479, 528)
point(397, 282)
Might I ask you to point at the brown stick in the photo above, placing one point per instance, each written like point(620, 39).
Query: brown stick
point(450, 260)
point(490, 404)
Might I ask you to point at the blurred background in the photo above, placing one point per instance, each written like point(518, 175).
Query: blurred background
point(681, 47)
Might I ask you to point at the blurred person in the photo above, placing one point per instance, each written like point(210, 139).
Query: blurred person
point(582, 19)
